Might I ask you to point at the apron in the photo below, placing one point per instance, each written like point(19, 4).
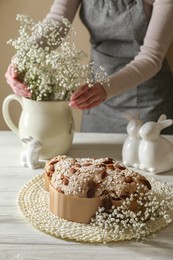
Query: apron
point(117, 29)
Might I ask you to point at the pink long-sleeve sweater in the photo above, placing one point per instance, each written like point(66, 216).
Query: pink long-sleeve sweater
point(148, 61)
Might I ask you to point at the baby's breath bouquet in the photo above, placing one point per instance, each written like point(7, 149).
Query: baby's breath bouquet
point(46, 60)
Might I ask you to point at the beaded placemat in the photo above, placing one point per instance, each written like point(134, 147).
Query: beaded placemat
point(33, 201)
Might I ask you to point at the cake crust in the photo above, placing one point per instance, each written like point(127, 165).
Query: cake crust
point(78, 186)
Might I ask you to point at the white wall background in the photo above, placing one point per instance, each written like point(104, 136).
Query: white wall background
point(36, 9)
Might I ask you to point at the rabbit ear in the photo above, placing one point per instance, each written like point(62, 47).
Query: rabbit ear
point(129, 116)
point(162, 118)
point(137, 115)
point(165, 123)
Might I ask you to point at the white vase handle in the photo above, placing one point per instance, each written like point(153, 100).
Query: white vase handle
point(6, 113)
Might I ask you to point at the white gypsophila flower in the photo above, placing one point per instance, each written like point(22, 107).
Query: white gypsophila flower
point(121, 220)
point(47, 62)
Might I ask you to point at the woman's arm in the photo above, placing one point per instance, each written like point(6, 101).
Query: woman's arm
point(148, 62)
point(145, 65)
point(63, 8)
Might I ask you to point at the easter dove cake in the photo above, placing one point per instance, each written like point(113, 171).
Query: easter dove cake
point(79, 186)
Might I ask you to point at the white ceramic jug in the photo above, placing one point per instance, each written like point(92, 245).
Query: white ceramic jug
point(50, 122)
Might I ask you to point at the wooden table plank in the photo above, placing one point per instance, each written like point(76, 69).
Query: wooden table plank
point(20, 240)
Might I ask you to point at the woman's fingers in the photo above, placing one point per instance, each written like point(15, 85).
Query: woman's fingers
point(88, 97)
point(80, 92)
point(18, 87)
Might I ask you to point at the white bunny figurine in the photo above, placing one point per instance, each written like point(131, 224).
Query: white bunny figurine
point(131, 144)
point(155, 151)
point(30, 157)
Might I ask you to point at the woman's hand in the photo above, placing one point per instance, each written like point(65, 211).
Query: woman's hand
point(18, 88)
point(88, 97)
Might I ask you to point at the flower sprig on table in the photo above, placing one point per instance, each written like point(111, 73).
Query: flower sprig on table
point(48, 62)
point(153, 205)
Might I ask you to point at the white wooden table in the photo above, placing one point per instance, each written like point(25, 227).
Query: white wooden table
point(19, 240)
